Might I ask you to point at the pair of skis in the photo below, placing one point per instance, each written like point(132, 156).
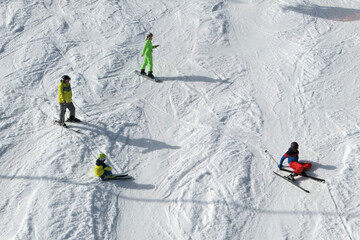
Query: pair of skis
point(294, 183)
point(68, 128)
point(121, 176)
point(305, 175)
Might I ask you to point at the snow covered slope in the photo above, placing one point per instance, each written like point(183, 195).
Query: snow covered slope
point(239, 77)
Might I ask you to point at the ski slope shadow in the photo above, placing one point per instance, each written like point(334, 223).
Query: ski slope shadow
point(192, 79)
point(330, 13)
point(128, 183)
point(147, 144)
point(316, 165)
point(131, 184)
point(45, 178)
point(245, 208)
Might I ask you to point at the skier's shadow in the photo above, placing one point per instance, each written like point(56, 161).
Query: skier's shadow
point(316, 165)
point(147, 144)
point(330, 13)
point(192, 79)
point(131, 184)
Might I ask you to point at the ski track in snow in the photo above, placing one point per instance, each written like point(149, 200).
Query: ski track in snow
point(238, 77)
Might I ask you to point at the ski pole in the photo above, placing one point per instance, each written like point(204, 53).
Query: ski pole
point(271, 157)
point(80, 109)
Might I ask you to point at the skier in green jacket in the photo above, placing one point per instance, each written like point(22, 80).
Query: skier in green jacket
point(147, 52)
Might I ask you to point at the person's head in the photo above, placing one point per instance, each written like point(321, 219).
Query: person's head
point(102, 157)
point(65, 78)
point(294, 145)
point(149, 36)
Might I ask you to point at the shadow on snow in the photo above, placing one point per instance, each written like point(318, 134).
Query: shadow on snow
point(331, 13)
point(191, 79)
point(147, 144)
point(234, 204)
point(125, 183)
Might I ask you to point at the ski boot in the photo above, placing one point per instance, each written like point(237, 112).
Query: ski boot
point(142, 72)
point(61, 124)
point(303, 173)
point(150, 75)
point(291, 177)
point(73, 119)
point(109, 177)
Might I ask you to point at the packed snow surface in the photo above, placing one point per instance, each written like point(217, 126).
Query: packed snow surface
point(238, 77)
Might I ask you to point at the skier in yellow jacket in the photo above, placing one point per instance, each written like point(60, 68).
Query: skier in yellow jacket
point(101, 169)
point(147, 52)
point(65, 101)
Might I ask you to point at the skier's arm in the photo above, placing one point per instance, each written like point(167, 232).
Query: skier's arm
point(106, 167)
point(61, 93)
point(155, 46)
point(281, 161)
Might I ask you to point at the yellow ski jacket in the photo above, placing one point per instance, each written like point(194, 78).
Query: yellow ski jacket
point(100, 169)
point(64, 92)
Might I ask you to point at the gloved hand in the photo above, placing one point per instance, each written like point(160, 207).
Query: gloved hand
point(280, 166)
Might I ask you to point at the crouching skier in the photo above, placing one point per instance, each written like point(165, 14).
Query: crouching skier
point(101, 169)
point(293, 157)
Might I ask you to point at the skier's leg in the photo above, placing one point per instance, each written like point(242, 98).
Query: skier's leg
point(62, 113)
point(145, 63)
point(150, 60)
point(71, 107)
point(108, 174)
point(307, 166)
point(298, 168)
point(103, 176)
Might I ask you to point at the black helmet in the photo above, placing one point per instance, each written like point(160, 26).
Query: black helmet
point(294, 145)
point(149, 35)
point(65, 77)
